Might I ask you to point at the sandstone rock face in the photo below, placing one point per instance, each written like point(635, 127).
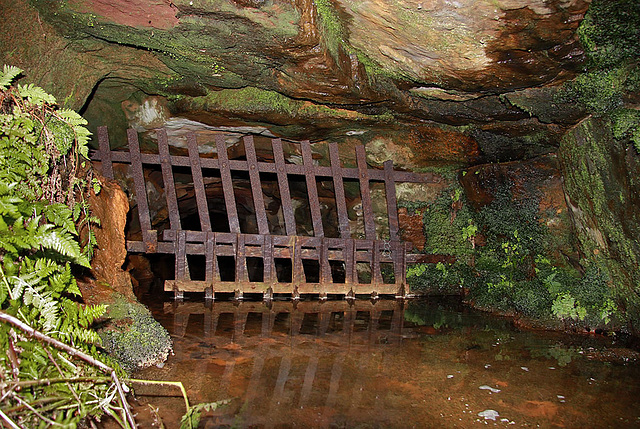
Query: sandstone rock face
point(311, 69)
point(467, 44)
point(603, 194)
point(111, 206)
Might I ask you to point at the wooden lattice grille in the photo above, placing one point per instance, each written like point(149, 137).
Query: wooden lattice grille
point(346, 251)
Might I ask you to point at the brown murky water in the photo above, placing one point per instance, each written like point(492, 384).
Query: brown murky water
point(387, 364)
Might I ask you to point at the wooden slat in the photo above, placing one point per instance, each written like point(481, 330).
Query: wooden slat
point(105, 152)
point(167, 179)
point(256, 187)
point(211, 263)
point(241, 260)
point(148, 235)
point(268, 261)
point(198, 183)
point(227, 185)
point(376, 274)
point(283, 186)
point(181, 256)
point(365, 193)
point(312, 189)
point(268, 167)
point(349, 262)
point(338, 186)
point(392, 208)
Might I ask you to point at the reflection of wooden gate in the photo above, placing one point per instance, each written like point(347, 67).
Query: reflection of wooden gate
point(385, 259)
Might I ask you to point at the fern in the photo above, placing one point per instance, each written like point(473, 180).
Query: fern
point(8, 74)
point(39, 248)
point(35, 95)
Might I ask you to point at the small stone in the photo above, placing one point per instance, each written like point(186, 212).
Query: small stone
point(489, 414)
point(489, 388)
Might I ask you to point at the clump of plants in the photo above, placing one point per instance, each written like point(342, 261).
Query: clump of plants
point(51, 370)
point(450, 230)
point(609, 34)
point(503, 262)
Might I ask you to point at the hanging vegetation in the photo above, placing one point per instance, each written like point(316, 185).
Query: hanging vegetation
point(45, 327)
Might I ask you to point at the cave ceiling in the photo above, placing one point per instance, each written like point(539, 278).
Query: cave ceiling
point(455, 82)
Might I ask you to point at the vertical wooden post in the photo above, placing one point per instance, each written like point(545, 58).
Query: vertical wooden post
point(338, 186)
point(167, 179)
point(149, 236)
point(392, 208)
point(227, 185)
point(198, 183)
point(256, 188)
point(312, 189)
point(365, 192)
point(105, 152)
point(283, 186)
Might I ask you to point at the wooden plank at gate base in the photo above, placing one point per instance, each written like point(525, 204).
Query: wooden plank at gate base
point(338, 186)
point(241, 260)
point(181, 256)
point(312, 189)
point(148, 235)
point(267, 260)
point(105, 152)
point(211, 263)
point(227, 185)
point(256, 187)
point(392, 209)
point(167, 178)
point(283, 186)
point(375, 263)
point(365, 193)
point(198, 183)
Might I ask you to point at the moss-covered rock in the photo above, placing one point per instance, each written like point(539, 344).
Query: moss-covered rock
point(602, 181)
point(133, 337)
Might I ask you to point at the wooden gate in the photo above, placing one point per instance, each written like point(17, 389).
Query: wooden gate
point(386, 258)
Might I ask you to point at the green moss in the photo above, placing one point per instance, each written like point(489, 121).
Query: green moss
point(599, 178)
point(133, 337)
point(199, 47)
point(253, 101)
point(626, 123)
point(609, 34)
point(331, 24)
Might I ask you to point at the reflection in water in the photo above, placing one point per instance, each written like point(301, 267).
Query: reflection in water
point(387, 364)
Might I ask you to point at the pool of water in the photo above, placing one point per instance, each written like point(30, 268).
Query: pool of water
point(385, 364)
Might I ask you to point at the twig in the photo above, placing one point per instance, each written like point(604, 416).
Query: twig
point(7, 318)
point(73, 392)
point(10, 422)
point(34, 411)
point(49, 381)
point(167, 383)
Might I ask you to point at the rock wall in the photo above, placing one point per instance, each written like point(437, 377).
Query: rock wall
point(602, 183)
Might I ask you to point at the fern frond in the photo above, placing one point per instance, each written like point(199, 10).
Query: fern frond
point(35, 94)
point(61, 215)
point(62, 279)
point(71, 117)
point(59, 241)
point(7, 75)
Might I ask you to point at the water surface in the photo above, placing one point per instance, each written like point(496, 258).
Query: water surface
point(387, 364)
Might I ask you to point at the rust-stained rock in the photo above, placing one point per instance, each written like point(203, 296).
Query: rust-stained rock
point(538, 179)
point(412, 227)
point(111, 206)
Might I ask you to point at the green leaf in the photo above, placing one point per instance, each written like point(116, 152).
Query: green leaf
point(35, 94)
point(8, 74)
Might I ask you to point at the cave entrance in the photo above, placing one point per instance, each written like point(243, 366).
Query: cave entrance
point(271, 226)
